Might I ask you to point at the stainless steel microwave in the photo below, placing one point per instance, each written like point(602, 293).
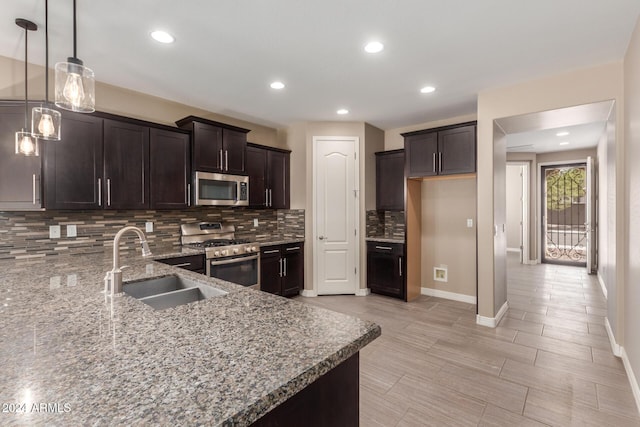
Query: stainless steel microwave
point(219, 189)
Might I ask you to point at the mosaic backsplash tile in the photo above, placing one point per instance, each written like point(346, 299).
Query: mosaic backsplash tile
point(387, 224)
point(26, 234)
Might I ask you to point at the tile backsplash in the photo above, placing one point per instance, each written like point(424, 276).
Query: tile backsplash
point(386, 224)
point(26, 234)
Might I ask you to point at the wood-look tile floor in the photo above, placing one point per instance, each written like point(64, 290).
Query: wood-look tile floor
point(548, 362)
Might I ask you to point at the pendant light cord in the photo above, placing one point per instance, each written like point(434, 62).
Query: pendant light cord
point(75, 45)
point(46, 52)
point(26, 83)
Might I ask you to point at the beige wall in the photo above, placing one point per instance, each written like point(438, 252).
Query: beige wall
point(393, 139)
point(631, 296)
point(116, 100)
point(446, 240)
point(575, 88)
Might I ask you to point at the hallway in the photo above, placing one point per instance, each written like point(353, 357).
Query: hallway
point(548, 362)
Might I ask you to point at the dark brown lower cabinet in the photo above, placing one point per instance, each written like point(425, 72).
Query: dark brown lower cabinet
point(331, 400)
point(188, 262)
point(282, 269)
point(386, 268)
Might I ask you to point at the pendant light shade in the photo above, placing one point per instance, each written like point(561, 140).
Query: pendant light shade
point(75, 83)
point(45, 121)
point(26, 144)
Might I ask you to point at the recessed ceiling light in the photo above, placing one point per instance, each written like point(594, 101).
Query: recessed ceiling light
point(162, 36)
point(373, 47)
point(427, 89)
point(342, 111)
point(564, 143)
point(277, 85)
point(563, 133)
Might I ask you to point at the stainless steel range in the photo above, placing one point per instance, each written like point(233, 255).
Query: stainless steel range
point(227, 258)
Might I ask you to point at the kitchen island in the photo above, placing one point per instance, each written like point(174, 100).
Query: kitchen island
point(69, 356)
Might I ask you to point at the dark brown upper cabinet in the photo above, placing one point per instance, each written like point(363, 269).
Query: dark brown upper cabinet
point(169, 169)
point(73, 167)
point(216, 147)
point(126, 165)
point(269, 177)
point(447, 150)
point(390, 180)
point(19, 175)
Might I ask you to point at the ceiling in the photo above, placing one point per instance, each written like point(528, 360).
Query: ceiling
point(227, 52)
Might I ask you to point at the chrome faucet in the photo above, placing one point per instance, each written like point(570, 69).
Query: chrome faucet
point(114, 276)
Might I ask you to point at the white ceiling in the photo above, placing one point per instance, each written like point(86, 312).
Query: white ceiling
point(228, 51)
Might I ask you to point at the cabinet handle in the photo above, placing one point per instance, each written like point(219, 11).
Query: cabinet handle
point(384, 248)
point(270, 199)
point(266, 198)
point(280, 261)
point(434, 162)
point(440, 161)
point(285, 267)
point(271, 252)
point(99, 192)
point(184, 264)
point(188, 194)
point(226, 160)
point(221, 164)
point(400, 265)
point(295, 248)
point(34, 188)
point(108, 191)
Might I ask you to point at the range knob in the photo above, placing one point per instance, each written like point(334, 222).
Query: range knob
point(225, 252)
point(253, 249)
point(247, 249)
point(236, 250)
point(216, 253)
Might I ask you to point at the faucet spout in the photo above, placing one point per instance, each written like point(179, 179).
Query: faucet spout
point(115, 275)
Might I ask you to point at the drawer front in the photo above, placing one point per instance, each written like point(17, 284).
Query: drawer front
point(384, 247)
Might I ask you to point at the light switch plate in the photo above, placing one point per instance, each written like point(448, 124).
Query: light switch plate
point(469, 223)
point(72, 231)
point(54, 231)
point(148, 227)
point(255, 222)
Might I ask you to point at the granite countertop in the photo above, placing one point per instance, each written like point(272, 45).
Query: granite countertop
point(222, 361)
point(384, 240)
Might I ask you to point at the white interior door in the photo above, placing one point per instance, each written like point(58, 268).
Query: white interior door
point(590, 226)
point(336, 215)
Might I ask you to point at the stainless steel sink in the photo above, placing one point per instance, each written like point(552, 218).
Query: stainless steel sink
point(170, 291)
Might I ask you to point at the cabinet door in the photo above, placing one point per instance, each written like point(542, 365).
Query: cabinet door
point(126, 165)
point(207, 148)
point(169, 171)
point(390, 181)
point(293, 280)
point(257, 171)
point(235, 146)
point(19, 175)
point(385, 269)
point(458, 150)
point(279, 179)
point(270, 269)
point(422, 154)
point(73, 166)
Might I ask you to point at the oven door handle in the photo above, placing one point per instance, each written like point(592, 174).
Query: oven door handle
point(234, 260)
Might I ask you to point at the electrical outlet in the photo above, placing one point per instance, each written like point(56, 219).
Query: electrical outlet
point(255, 222)
point(72, 231)
point(54, 231)
point(469, 223)
point(148, 227)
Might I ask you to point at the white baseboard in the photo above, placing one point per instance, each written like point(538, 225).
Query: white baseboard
point(492, 322)
point(632, 378)
point(309, 293)
point(363, 292)
point(615, 347)
point(448, 295)
point(602, 285)
point(513, 250)
point(531, 262)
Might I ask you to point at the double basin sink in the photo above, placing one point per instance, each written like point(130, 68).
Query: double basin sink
point(169, 291)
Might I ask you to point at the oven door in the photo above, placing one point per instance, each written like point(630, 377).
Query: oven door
point(244, 270)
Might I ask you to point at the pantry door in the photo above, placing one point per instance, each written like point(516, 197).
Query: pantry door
point(336, 199)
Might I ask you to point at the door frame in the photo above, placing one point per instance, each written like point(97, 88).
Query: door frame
point(526, 203)
point(357, 199)
point(539, 200)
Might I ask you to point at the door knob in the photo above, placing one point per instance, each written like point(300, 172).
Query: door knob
point(321, 237)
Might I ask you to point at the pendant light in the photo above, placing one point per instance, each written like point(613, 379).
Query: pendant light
point(26, 144)
point(45, 121)
point(75, 83)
